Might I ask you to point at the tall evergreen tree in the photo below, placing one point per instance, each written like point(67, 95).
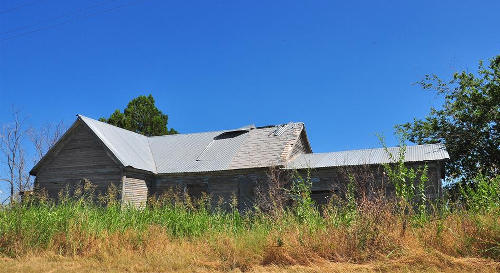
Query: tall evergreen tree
point(141, 116)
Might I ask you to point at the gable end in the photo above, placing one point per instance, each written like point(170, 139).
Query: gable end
point(53, 152)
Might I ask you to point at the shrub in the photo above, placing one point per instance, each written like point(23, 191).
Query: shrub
point(482, 195)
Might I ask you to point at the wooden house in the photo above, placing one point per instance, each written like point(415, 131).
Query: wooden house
point(222, 163)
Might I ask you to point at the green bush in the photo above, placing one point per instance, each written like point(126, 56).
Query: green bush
point(482, 195)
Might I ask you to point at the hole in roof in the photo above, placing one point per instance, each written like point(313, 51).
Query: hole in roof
point(247, 127)
point(280, 129)
point(265, 126)
point(230, 134)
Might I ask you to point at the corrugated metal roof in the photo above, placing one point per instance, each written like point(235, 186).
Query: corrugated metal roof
point(427, 152)
point(247, 147)
point(130, 148)
point(199, 152)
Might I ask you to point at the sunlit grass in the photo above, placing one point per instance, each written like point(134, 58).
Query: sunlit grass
point(187, 233)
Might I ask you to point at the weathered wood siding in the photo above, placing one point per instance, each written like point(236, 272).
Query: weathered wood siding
point(223, 186)
point(135, 189)
point(220, 186)
point(370, 180)
point(79, 156)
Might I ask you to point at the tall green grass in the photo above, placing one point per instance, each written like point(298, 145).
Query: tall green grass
point(346, 229)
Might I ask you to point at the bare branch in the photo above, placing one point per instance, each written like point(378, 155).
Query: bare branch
point(12, 150)
point(45, 137)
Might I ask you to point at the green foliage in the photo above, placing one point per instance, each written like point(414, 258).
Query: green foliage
point(404, 178)
point(351, 206)
point(343, 212)
point(482, 195)
point(467, 122)
point(409, 183)
point(72, 225)
point(421, 196)
point(300, 192)
point(141, 116)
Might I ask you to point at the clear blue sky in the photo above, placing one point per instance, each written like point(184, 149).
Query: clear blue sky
point(345, 68)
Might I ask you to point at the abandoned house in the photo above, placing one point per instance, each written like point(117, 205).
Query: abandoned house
point(221, 164)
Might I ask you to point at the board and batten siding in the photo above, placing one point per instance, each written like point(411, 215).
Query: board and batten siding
point(78, 156)
point(135, 189)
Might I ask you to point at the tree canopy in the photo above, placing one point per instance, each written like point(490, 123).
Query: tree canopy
point(466, 123)
point(141, 116)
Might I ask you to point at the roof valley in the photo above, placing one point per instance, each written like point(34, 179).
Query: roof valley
point(152, 156)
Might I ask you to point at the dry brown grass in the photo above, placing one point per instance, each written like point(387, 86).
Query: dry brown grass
point(377, 239)
point(191, 262)
point(330, 250)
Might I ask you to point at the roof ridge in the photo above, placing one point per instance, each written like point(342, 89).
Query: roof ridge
point(100, 137)
point(381, 148)
point(143, 158)
point(229, 130)
point(107, 124)
point(206, 132)
point(416, 153)
point(203, 132)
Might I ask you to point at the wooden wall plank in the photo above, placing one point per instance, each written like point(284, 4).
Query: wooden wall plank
point(81, 156)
